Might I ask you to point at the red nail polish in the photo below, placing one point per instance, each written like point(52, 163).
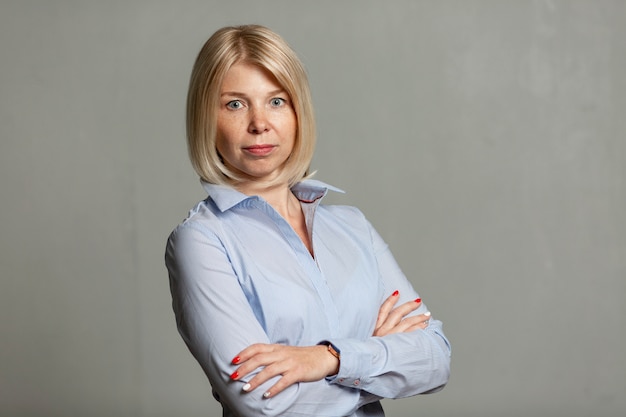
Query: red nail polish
point(234, 375)
point(395, 293)
point(418, 300)
point(236, 360)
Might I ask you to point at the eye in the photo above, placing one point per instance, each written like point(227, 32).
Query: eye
point(277, 102)
point(234, 105)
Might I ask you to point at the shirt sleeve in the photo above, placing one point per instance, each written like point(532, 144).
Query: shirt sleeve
point(216, 322)
point(397, 365)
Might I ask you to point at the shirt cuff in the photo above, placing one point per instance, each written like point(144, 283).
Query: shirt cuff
point(355, 362)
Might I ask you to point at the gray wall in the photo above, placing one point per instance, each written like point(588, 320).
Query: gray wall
point(484, 139)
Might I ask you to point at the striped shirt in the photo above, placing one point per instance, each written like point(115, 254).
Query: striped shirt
point(239, 274)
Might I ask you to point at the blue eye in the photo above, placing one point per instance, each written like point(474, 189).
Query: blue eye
point(277, 102)
point(235, 104)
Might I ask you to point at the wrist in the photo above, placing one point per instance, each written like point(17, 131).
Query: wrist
point(333, 352)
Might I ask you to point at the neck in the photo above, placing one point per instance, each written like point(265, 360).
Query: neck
point(279, 197)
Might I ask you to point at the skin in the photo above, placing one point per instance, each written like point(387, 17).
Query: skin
point(255, 111)
point(256, 133)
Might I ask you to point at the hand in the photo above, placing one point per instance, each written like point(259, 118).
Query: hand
point(393, 320)
point(294, 363)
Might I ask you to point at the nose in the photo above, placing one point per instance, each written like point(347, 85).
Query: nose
point(258, 121)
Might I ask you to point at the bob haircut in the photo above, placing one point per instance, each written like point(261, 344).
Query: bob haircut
point(260, 46)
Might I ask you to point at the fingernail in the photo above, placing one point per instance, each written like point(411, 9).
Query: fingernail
point(236, 360)
point(267, 394)
point(427, 313)
point(246, 387)
point(418, 300)
point(234, 375)
point(395, 293)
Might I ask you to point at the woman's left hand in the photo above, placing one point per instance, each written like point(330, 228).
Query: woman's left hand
point(393, 319)
point(294, 363)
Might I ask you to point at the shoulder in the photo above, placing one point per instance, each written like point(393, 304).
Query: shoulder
point(202, 219)
point(347, 216)
point(347, 212)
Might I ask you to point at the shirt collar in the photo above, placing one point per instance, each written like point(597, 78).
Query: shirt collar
point(226, 197)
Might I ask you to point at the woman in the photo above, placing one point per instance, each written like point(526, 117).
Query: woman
point(292, 308)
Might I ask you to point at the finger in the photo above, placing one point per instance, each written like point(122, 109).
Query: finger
point(290, 364)
point(263, 376)
point(413, 323)
point(407, 325)
point(279, 386)
point(386, 307)
point(405, 309)
point(414, 327)
point(249, 360)
point(399, 313)
point(250, 352)
point(247, 368)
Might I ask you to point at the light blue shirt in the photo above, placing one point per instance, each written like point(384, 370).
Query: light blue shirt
point(239, 274)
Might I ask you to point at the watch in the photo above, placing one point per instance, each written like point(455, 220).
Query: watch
point(334, 350)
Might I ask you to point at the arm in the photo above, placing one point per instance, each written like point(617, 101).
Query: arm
point(312, 363)
point(216, 322)
point(408, 354)
point(401, 364)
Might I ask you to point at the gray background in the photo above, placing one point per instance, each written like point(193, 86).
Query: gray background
point(484, 139)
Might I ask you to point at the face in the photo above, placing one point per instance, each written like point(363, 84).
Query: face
point(256, 123)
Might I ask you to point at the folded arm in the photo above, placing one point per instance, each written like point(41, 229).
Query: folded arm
point(217, 323)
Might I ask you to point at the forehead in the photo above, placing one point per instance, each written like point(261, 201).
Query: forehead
point(249, 78)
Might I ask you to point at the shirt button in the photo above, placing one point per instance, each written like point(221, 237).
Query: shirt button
point(341, 379)
point(357, 382)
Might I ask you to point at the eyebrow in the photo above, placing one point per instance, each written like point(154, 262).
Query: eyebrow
point(239, 94)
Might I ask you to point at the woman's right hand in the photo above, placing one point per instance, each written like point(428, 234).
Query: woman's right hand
point(394, 320)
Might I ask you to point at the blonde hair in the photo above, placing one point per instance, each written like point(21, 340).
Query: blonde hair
point(260, 46)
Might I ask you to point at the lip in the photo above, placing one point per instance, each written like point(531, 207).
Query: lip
point(259, 150)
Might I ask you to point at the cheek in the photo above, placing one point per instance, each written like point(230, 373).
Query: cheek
point(225, 123)
point(290, 125)
point(219, 140)
point(223, 144)
point(219, 146)
point(225, 134)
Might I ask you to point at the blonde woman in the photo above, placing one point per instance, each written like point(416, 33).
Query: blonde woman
point(291, 307)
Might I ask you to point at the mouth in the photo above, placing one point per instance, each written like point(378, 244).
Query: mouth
point(259, 150)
